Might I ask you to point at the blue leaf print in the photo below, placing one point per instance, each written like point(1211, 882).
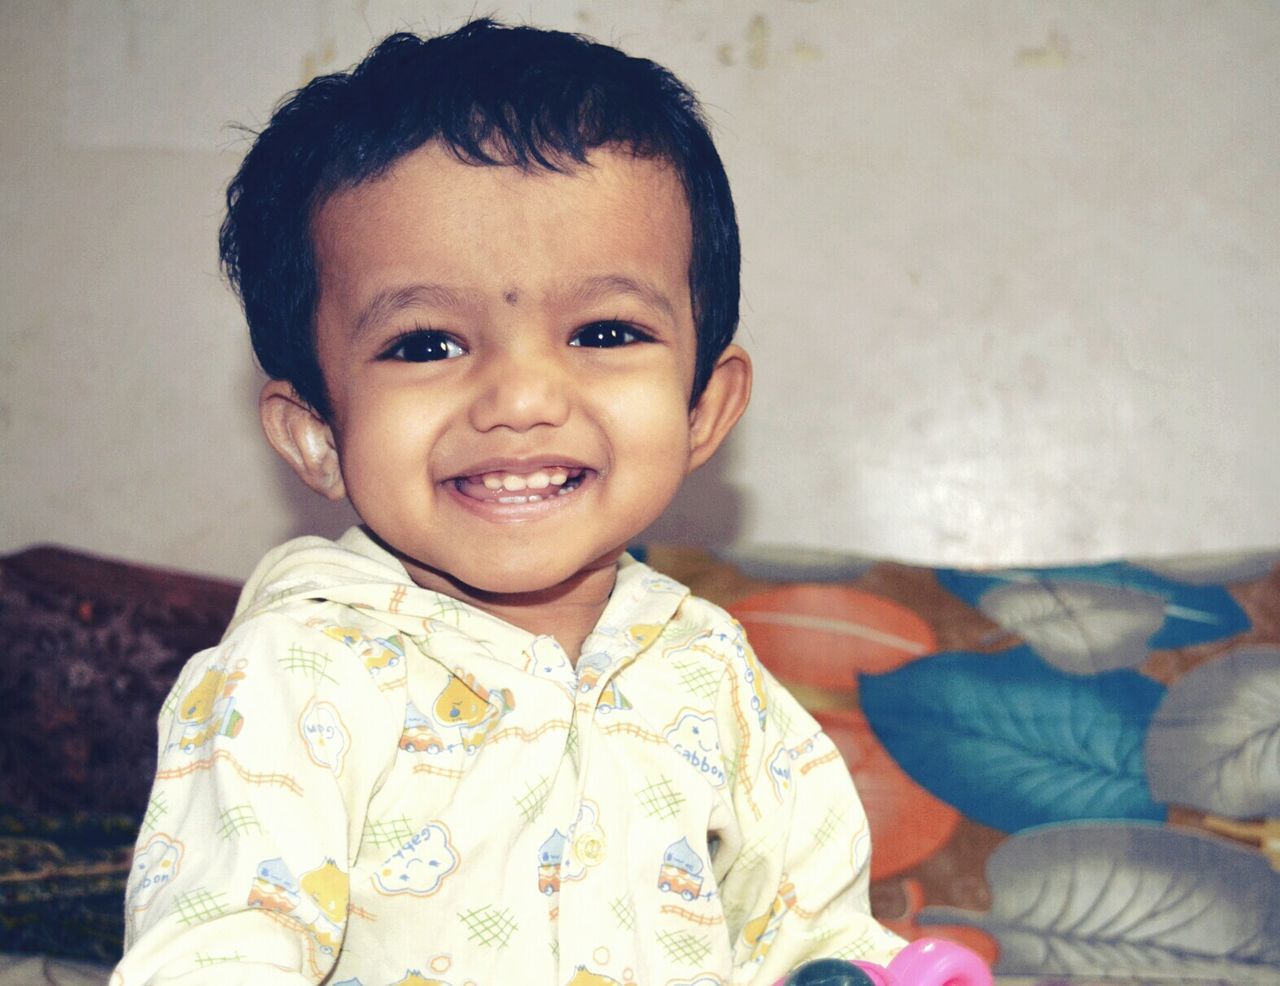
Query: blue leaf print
point(1014, 743)
point(1193, 614)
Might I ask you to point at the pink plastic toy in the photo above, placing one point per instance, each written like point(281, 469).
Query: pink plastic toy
point(924, 962)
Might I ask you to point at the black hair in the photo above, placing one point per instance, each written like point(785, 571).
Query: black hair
point(492, 95)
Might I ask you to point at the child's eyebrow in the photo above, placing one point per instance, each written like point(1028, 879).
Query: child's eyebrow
point(596, 288)
point(389, 301)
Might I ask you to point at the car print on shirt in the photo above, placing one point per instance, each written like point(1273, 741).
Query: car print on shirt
point(274, 888)
point(591, 668)
point(550, 856)
point(318, 901)
point(376, 653)
point(419, 734)
point(681, 871)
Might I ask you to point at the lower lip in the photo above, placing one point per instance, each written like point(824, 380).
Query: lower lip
point(529, 510)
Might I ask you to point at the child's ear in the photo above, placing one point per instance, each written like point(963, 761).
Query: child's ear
point(720, 405)
point(302, 438)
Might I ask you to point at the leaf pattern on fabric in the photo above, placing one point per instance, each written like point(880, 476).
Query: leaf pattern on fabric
point(1193, 614)
point(1080, 627)
point(1139, 900)
point(1013, 742)
point(1214, 742)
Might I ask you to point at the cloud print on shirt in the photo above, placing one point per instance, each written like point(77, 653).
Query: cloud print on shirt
point(697, 740)
point(420, 866)
point(154, 865)
point(326, 737)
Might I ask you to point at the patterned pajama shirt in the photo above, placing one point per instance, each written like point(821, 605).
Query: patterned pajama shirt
point(371, 783)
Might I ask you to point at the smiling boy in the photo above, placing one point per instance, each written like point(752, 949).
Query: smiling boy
point(486, 324)
point(493, 279)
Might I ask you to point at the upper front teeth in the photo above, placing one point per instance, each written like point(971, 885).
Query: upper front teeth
point(513, 482)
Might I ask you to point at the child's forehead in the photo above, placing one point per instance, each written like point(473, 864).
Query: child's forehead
point(617, 207)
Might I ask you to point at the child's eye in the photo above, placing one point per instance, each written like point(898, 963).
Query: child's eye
point(607, 335)
point(423, 346)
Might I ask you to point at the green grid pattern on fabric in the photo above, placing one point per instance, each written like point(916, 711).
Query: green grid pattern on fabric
point(489, 927)
point(199, 906)
point(782, 717)
point(624, 912)
point(731, 764)
point(390, 832)
point(157, 808)
point(698, 679)
point(448, 611)
point(684, 947)
point(534, 797)
point(859, 949)
point(571, 743)
point(660, 799)
point(237, 820)
point(830, 825)
point(314, 664)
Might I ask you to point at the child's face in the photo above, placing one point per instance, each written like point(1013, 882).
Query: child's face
point(509, 359)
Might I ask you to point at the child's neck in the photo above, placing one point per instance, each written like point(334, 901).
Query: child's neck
point(568, 611)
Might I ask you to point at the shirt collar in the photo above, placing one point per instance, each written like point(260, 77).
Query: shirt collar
point(357, 571)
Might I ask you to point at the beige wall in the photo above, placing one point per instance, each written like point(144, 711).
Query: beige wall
point(1011, 269)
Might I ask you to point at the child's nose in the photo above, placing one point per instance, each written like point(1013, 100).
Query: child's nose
point(520, 391)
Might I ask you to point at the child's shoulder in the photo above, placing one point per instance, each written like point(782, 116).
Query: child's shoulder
point(704, 634)
point(692, 628)
point(294, 620)
point(315, 638)
point(676, 614)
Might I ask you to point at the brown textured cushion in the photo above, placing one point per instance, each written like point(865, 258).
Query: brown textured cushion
point(88, 650)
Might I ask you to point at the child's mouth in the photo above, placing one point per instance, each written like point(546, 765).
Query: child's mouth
point(501, 486)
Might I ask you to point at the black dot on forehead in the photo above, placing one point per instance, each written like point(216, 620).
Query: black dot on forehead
point(511, 296)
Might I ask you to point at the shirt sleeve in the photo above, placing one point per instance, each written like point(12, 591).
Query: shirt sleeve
point(797, 886)
point(270, 746)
